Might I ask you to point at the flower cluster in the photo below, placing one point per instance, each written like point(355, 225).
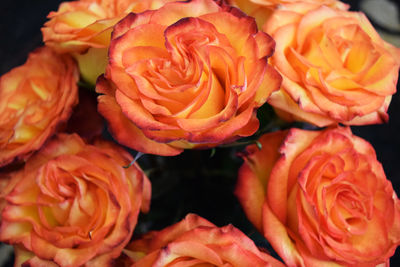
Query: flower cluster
point(167, 77)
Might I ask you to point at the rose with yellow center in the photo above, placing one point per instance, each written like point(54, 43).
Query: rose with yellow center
point(83, 28)
point(196, 81)
point(73, 204)
point(79, 25)
point(335, 66)
point(35, 99)
point(321, 198)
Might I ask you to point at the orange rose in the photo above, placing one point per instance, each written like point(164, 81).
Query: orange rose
point(321, 198)
point(261, 10)
point(79, 25)
point(195, 241)
point(277, 3)
point(335, 67)
point(74, 204)
point(34, 99)
point(84, 27)
point(195, 81)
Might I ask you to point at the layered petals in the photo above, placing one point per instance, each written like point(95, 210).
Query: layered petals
point(321, 198)
point(194, 82)
point(79, 25)
point(73, 204)
point(335, 67)
point(196, 242)
point(35, 99)
point(83, 29)
point(262, 10)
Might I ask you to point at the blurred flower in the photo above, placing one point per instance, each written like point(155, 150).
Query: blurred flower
point(193, 242)
point(194, 82)
point(73, 204)
point(320, 198)
point(34, 99)
point(335, 67)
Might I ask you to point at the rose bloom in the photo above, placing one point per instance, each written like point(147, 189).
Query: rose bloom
point(195, 81)
point(35, 98)
point(73, 204)
point(335, 67)
point(321, 198)
point(79, 25)
point(83, 28)
point(195, 241)
point(261, 10)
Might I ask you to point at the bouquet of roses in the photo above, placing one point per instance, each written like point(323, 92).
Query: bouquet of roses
point(147, 133)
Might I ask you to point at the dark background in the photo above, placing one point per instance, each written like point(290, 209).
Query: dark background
point(20, 23)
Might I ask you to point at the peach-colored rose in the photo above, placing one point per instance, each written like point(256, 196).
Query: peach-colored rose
point(79, 25)
point(195, 241)
point(34, 99)
point(321, 198)
point(73, 204)
point(277, 3)
point(195, 81)
point(83, 28)
point(261, 10)
point(335, 67)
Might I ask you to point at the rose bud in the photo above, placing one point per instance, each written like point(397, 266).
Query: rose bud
point(320, 198)
point(73, 204)
point(195, 82)
point(195, 241)
point(83, 28)
point(335, 67)
point(35, 99)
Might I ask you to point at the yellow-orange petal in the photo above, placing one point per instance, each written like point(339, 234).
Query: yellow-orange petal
point(128, 134)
